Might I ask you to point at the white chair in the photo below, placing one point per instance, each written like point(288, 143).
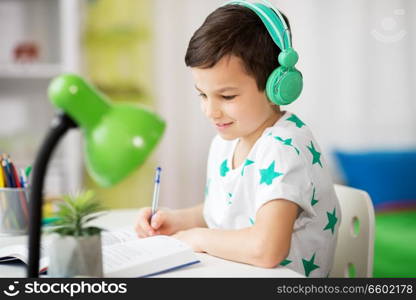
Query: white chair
point(354, 252)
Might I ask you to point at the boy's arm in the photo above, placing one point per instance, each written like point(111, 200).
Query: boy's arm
point(190, 217)
point(265, 244)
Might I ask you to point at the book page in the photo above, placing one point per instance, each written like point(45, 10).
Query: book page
point(121, 235)
point(124, 254)
point(19, 252)
point(14, 252)
point(141, 251)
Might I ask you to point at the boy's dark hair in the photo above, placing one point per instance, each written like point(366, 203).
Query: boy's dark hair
point(236, 30)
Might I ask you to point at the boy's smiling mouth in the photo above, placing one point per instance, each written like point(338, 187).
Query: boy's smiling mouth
point(223, 125)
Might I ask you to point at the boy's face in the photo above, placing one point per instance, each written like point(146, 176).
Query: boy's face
point(231, 100)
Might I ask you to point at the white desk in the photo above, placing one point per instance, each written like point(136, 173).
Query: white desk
point(209, 266)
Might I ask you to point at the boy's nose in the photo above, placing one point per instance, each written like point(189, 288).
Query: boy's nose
point(212, 110)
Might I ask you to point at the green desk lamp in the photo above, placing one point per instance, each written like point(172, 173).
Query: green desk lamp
point(118, 138)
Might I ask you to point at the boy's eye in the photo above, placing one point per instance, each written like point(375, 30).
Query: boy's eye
point(229, 97)
point(202, 95)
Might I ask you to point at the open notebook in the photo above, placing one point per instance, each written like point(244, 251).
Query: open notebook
point(124, 254)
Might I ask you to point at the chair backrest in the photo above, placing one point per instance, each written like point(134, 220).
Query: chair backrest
point(354, 252)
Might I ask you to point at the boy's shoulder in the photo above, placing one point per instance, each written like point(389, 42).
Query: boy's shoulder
point(290, 138)
point(288, 129)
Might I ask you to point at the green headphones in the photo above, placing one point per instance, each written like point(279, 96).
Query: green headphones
point(285, 83)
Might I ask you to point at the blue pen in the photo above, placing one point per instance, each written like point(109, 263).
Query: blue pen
point(10, 171)
point(11, 183)
point(156, 191)
point(23, 178)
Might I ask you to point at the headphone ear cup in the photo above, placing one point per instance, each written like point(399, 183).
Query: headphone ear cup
point(272, 85)
point(284, 85)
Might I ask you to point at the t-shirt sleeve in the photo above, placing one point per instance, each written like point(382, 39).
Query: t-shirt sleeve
point(215, 146)
point(282, 173)
point(208, 179)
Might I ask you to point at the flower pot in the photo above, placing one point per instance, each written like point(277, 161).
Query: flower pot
point(71, 256)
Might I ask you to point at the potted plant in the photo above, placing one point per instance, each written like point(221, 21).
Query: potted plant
point(75, 247)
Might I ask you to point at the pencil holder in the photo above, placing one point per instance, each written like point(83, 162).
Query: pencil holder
point(14, 211)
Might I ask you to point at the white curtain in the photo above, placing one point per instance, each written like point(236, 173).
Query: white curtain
point(357, 60)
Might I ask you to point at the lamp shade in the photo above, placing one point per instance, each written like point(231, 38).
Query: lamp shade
point(118, 136)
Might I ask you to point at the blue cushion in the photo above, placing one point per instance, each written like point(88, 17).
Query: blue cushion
point(388, 176)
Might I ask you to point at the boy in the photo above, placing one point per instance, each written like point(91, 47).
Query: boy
point(269, 198)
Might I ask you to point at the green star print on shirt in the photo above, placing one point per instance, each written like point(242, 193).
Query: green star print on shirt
point(314, 201)
point(224, 169)
point(246, 163)
point(309, 265)
point(268, 175)
point(287, 142)
point(332, 220)
point(315, 154)
point(293, 118)
point(285, 262)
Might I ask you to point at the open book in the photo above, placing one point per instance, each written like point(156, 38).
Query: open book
point(124, 254)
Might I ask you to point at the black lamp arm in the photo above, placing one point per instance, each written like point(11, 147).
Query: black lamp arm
point(60, 125)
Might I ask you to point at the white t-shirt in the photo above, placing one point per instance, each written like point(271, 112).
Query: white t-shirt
point(284, 163)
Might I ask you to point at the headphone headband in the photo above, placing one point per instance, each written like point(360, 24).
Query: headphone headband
point(272, 19)
point(285, 26)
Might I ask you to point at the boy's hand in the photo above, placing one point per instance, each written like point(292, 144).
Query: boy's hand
point(191, 237)
point(163, 222)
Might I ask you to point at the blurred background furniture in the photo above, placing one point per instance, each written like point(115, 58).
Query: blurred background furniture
point(389, 178)
point(40, 39)
point(354, 252)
